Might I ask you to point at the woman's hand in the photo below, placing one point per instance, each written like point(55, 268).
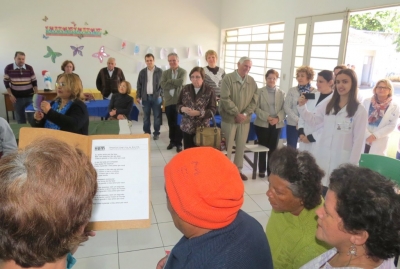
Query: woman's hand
point(302, 100)
point(273, 121)
point(304, 139)
point(113, 112)
point(38, 116)
point(186, 109)
point(370, 139)
point(45, 106)
point(162, 262)
point(120, 117)
point(193, 113)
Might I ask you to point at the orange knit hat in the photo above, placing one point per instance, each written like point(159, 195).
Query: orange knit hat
point(204, 187)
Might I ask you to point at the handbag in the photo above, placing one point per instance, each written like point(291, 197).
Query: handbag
point(208, 136)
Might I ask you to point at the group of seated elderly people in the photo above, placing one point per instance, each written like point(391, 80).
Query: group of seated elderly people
point(358, 225)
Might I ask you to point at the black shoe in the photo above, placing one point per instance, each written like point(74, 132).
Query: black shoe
point(243, 177)
point(170, 146)
point(155, 137)
point(178, 149)
point(262, 175)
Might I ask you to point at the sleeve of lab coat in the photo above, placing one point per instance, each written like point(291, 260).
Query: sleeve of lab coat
point(360, 121)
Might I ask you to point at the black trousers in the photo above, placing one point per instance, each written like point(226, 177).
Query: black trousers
point(188, 140)
point(268, 137)
point(175, 132)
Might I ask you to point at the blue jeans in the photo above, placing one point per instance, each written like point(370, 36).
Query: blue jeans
point(154, 104)
point(19, 108)
point(292, 136)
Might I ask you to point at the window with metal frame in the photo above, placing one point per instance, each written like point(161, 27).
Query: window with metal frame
point(263, 44)
point(319, 42)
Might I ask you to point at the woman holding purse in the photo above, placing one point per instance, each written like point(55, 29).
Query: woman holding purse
point(197, 103)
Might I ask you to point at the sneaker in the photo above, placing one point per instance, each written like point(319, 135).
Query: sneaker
point(155, 137)
point(170, 146)
point(178, 149)
point(244, 178)
point(262, 175)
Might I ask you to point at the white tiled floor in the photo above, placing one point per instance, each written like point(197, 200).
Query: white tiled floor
point(143, 248)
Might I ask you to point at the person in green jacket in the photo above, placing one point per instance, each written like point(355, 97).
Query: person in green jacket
point(294, 194)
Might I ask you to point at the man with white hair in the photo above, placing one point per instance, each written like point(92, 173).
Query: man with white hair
point(172, 82)
point(109, 78)
point(238, 102)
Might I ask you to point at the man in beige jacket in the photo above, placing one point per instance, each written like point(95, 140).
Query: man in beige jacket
point(238, 101)
point(172, 81)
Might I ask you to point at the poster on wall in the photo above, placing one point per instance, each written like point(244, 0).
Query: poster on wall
point(72, 31)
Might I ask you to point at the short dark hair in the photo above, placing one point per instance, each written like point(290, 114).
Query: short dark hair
point(367, 201)
point(198, 69)
point(19, 53)
point(148, 55)
point(300, 169)
point(326, 74)
point(340, 66)
point(46, 192)
point(273, 72)
point(64, 64)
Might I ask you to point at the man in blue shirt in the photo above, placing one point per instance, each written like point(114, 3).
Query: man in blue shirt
point(205, 207)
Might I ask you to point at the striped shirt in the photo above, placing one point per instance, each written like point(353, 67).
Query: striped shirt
point(214, 79)
point(20, 80)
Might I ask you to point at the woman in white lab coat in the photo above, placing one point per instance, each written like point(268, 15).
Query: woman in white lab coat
point(309, 134)
point(344, 122)
point(383, 113)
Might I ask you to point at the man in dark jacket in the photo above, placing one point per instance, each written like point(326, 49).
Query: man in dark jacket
point(109, 78)
point(149, 93)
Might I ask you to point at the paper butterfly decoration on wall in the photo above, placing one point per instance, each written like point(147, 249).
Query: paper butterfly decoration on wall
point(77, 50)
point(45, 18)
point(136, 50)
point(100, 54)
point(150, 50)
point(163, 53)
point(80, 36)
point(105, 32)
point(86, 23)
point(45, 36)
point(53, 55)
point(200, 50)
point(123, 45)
point(73, 23)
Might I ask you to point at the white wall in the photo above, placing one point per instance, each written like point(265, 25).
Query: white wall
point(170, 24)
point(245, 13)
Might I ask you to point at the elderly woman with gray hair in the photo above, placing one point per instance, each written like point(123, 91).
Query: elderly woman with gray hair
point(294, 194)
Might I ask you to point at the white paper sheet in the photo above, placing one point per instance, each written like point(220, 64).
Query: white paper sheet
point(122, 167)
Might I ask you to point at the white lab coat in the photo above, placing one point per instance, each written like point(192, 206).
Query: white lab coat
point(342, 138)
point(385, 127)
point(398, 129)
point(316, 131)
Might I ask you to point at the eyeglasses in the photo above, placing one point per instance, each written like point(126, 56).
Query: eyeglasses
point(195, 77)
point(60, 84)
point(382, 88)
